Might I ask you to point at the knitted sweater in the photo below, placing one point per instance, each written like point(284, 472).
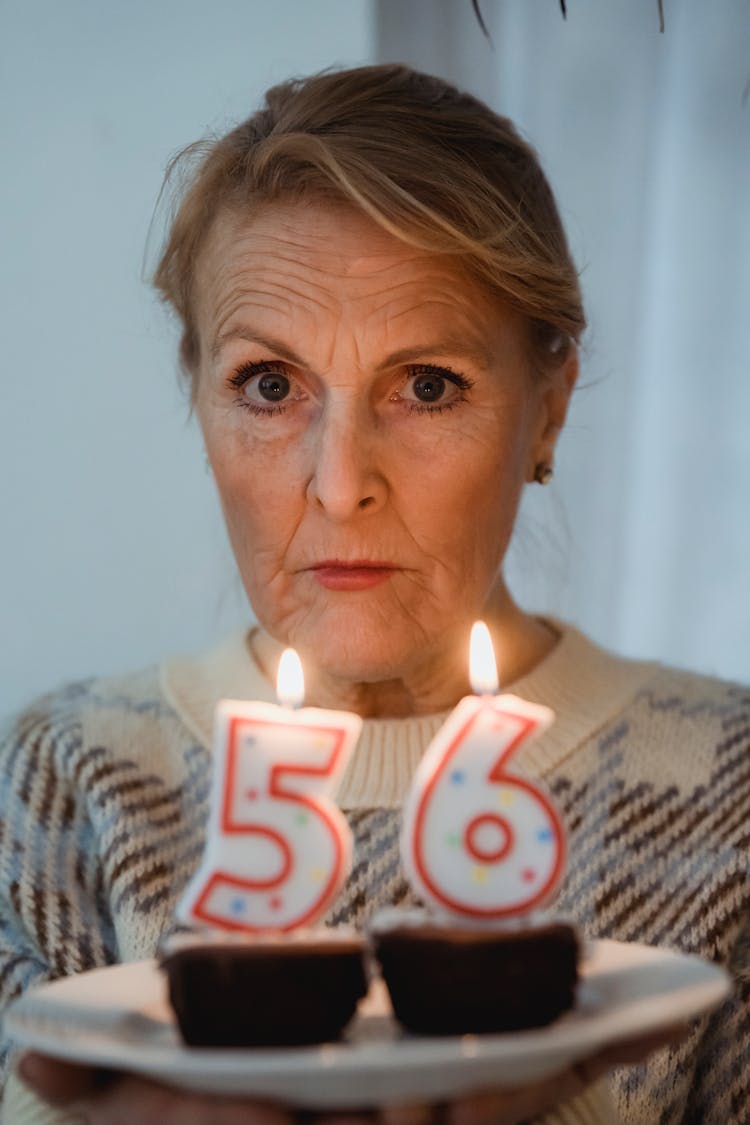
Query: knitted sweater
point(104, 785)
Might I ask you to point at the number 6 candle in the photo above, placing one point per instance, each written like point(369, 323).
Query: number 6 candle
point(277, 850)
point(479, 840)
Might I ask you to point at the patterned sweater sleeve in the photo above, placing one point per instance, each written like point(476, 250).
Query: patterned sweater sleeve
point(720, 1089)
point(54, 919)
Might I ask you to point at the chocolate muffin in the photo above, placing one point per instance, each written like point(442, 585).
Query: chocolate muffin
point(449, 978)
point(230, 990)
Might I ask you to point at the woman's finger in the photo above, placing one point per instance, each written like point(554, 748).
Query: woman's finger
point(133, 1099)
point(110, 1098)
point(407, 1115)
point(341, 1118)
point(60, 1083)
point(509, 1107)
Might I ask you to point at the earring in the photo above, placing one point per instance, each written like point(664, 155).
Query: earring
point(543, 473)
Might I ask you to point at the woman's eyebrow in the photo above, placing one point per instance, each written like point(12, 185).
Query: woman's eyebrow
point(459, 347)
point(278, 347)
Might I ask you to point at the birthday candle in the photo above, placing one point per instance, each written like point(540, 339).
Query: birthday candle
point(479, 840)
point(277, 849)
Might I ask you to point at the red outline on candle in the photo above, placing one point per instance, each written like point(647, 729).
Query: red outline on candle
point(489, 856)
point(233, 826)
point(527, 726)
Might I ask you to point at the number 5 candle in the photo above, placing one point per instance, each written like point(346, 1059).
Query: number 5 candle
point(479, 840)
point(277, 850)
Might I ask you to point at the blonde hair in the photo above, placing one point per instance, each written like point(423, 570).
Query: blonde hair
point(434, 166)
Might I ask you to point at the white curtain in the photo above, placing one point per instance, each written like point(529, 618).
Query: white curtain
point(644, 536)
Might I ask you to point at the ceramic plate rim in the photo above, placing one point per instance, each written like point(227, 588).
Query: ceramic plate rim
point(329, 1075)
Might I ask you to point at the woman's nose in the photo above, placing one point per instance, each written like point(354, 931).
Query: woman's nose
point(346, 477)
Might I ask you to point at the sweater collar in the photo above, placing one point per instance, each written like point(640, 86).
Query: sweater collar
point(583, 684)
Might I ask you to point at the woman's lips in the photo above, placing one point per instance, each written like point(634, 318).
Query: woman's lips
point(361, 574)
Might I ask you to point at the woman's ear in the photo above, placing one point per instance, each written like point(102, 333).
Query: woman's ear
point(554, 398)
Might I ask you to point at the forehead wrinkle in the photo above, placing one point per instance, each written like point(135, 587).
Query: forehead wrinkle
point(445, 312)
point(253, 239)
point(444, 308)
point(366, 266)
point(460, 336)
point(273, 298)
point(305, 267)
point(320, 260)
point(247, 271)
point(310, 244)
point(288, 279)
point(431, 288)
point(249, 276)
point(276, 295)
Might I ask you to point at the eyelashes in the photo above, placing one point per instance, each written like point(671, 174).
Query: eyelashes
point(247, 370)
point(277, 386)
point(266, 388)
point(428, 383)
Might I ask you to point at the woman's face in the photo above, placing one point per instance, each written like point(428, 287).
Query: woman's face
point(370, 418)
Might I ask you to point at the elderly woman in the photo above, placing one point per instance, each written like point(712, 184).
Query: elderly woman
point(380, 319)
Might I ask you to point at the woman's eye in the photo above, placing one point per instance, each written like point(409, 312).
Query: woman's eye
point(429, 386)
point(264, 389)
point(273, 387)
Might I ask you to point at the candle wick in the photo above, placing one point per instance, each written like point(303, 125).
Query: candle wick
point(293, 704)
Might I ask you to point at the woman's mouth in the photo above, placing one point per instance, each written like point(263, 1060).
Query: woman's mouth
point(359, 574)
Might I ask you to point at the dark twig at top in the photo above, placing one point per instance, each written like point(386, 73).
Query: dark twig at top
point(563, 9)
point(480, 19)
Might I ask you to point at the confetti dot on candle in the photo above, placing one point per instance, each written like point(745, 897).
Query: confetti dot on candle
point(275, 903)
point(251, 794)
point(317, 874)
point(453, 840)
point(237, 906)
point(302, 818)
point(544, 835)
point(479, 874)
point(528, 874)
point(506, 797)
point(458, 777)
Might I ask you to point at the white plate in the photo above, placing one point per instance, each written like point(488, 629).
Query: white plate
point(119, 1017)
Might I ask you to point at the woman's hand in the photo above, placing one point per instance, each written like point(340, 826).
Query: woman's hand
point(111, 1098)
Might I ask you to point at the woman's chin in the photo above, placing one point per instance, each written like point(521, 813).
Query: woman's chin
point(369, 641)
point(368, 665)
point(363, 656)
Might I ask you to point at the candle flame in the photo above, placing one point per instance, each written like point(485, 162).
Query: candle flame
point(290, 681)
point(482, 666)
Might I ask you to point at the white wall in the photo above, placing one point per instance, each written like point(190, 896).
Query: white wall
point(112, 547)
